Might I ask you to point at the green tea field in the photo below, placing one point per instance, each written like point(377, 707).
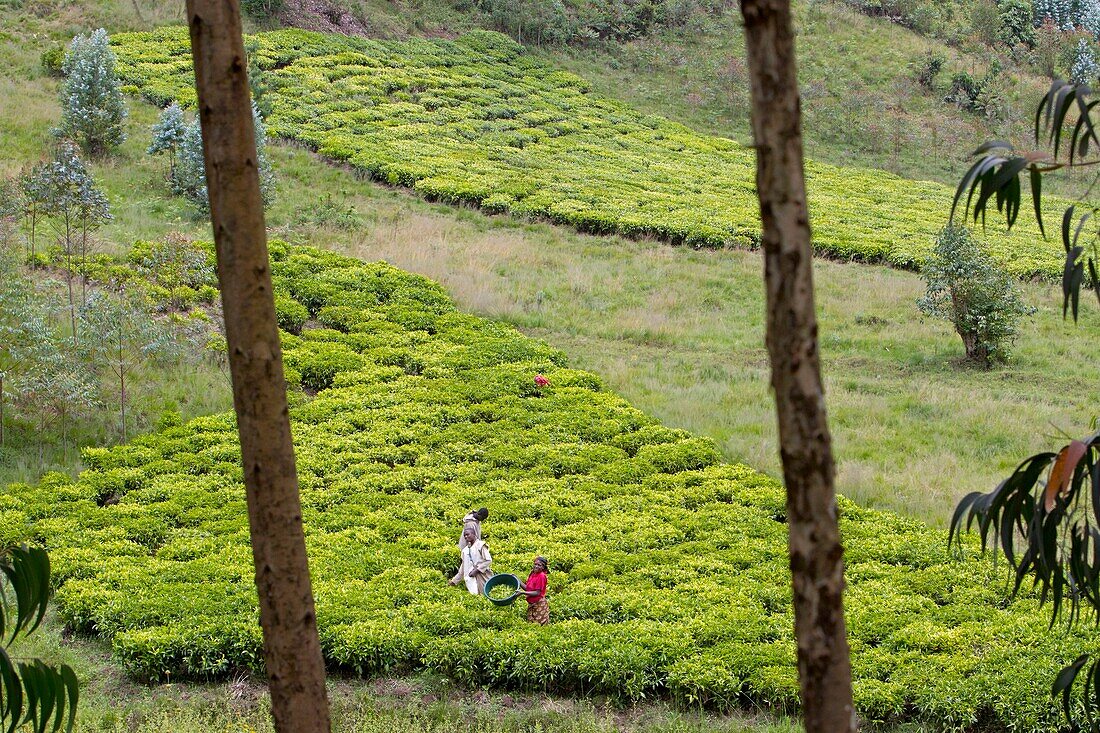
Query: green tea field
point(479, 121)
point(669, 566)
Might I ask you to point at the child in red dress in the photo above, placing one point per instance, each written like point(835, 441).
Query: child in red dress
point(538, 610)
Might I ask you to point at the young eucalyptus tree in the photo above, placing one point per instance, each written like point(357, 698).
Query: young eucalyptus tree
point(27, 342)
point(189, 172)
point(75, 207)
point(92, 108)
point(1049, 530)
point(11, 210)
point(168, 132)
point(34, 201)
point(126, 338)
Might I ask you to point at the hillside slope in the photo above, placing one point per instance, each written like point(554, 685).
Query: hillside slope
point(669, 569)
point(479, 121)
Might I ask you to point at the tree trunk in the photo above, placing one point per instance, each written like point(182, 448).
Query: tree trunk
point(84, 263)
point(121, 384)
point(1, 409)
point(816, 555)
point(69, 275)
point(292, 650)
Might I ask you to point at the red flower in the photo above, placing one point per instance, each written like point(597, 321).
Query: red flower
point(541, 381)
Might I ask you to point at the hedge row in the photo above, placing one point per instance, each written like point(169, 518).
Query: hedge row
point(477, 120)
point(669, 571)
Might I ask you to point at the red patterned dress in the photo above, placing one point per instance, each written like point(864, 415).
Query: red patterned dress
point(538, 610)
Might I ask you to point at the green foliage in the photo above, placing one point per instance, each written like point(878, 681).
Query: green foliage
point(188, 173)
point(32, 351)
point(326, 212)
point(670, 572)
point(480, 121)
point(557, 22)
point(32, 693)
point(977, 95)
point(995, 178)
point(167, 132)
point(261, 8)
point(1017, 28)
point(968, 289)
point(291, 314)
point(126, 336)
point(92, 108)
point(175, 262)
point(928, 68)
point(52, 61)
point(1056, 524)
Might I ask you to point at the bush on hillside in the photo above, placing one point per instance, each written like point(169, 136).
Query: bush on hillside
point(261, 8)
point(1016, 23)
point(188, 173)
point(967, 288)
point(92, 108)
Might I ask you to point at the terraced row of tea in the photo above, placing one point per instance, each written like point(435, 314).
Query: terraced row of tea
point(477, 120)
point(669, 567)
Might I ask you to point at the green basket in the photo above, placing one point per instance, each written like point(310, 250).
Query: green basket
point(504, 579)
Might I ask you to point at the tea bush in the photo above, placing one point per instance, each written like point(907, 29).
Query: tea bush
point(669, 568)
point(479, 121)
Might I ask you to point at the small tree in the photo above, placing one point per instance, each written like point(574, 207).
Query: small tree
point(34, 201)
point(1083, 70)
point(967, 288)
point(26, 339)
point(168, 132)
point(75, 207)
point(11, 208)
point(92, 108)
point(127, 338)
point(189, 177)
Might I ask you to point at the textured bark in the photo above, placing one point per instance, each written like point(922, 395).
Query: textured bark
point(816, 555)
point(292, 650)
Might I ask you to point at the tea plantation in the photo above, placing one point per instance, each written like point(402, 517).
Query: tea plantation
point(669, 572)
point(478, 120)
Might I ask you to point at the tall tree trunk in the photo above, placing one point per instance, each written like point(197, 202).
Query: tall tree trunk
point(292, 650)
point(1, 409)
point(69, 275)
point(121, 382)
point(816, 555)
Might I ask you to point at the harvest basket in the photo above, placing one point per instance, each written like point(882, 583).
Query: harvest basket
point(504, 581)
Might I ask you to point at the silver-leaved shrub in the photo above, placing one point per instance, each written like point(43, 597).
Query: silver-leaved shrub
point(92, 108)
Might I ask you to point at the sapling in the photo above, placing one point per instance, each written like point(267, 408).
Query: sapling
point(92, 108)
point(966, 287)
point(127, 338)
point(189, 172)
point(168, 132)
point(76, 208)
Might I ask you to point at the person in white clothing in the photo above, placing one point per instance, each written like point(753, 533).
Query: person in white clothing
point(472, 521)
point(476, 563)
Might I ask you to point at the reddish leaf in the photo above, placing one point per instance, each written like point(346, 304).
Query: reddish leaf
point(1062, 472)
